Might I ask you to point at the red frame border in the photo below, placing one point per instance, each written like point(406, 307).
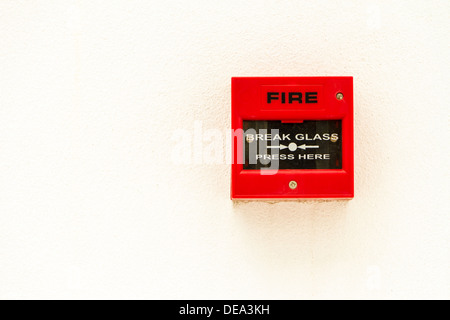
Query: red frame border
point(247, 105)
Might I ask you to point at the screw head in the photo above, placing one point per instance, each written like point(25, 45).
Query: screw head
point(339, 96)
point(249, 138)
point(293, 185)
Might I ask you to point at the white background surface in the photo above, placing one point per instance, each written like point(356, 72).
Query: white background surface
point(91, 205)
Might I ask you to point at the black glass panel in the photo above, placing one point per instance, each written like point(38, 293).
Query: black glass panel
point(305, 145)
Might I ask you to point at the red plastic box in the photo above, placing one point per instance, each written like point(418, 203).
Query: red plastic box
point(293, 100)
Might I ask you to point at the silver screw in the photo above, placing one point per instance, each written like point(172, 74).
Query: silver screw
point(293, 185)
point(339, 96)
point(249, 138)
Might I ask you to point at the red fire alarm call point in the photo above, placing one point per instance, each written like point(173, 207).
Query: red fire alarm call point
point(292, 137)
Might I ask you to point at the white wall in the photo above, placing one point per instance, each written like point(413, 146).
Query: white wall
point(92, 205)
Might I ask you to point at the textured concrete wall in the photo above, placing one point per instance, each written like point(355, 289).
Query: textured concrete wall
point(93, 203)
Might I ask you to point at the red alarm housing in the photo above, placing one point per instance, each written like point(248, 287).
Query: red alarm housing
point(292, 137)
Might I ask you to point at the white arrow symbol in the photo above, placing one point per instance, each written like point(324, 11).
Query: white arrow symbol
point(304, 147)
point(281, 147)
